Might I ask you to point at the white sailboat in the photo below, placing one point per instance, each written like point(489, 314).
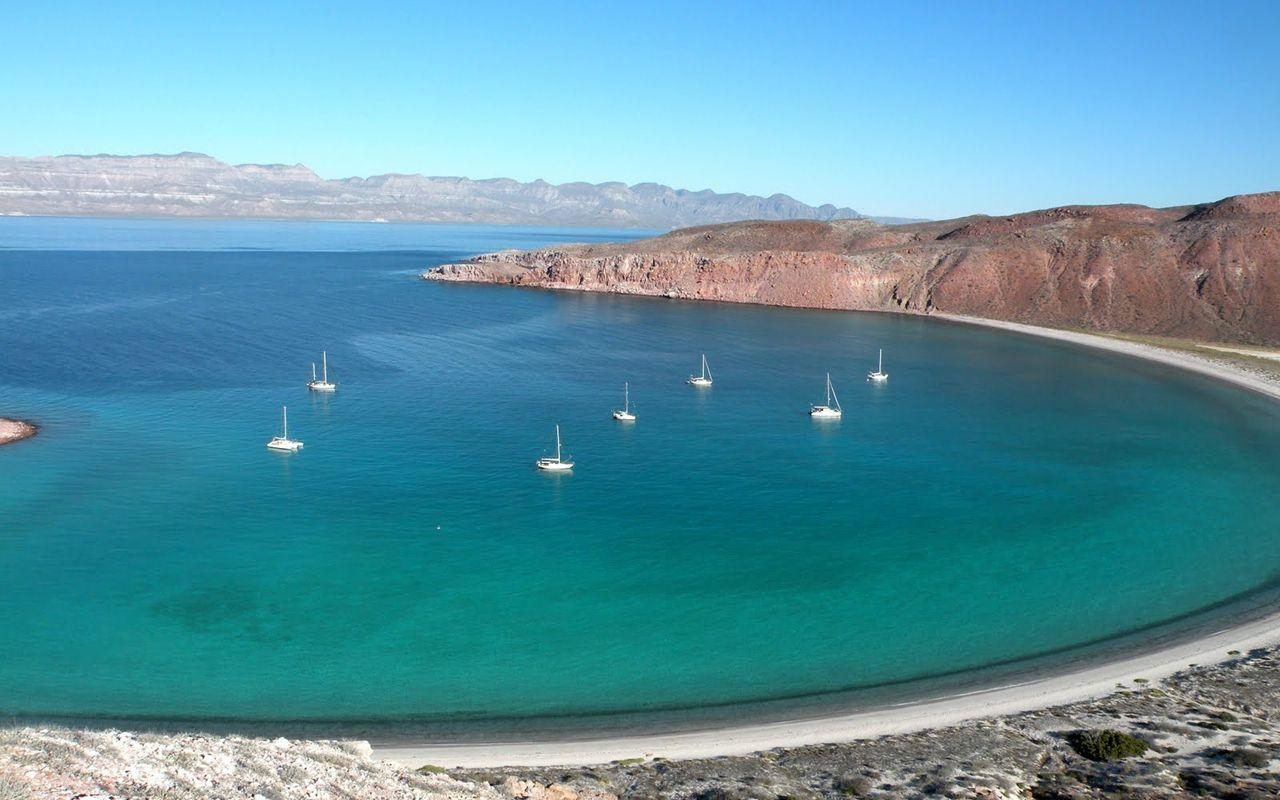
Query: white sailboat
point(625, 415)
point(282, 442)
point(832, 408)
point(879, 374)
point(555, 464)
point(703, 379)
point(322, 384)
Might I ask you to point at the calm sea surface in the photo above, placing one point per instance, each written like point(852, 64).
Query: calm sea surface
point(998, 499)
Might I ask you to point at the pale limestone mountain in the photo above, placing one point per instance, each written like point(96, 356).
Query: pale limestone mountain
point(197, 185)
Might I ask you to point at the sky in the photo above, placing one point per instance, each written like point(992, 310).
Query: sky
point(926, 109)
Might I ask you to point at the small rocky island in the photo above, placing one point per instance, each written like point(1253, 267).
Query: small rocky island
point(12, 430)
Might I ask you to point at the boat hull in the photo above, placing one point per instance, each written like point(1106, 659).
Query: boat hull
point(554, 466)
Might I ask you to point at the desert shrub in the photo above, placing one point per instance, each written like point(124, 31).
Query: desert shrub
point(853, 786)
point(1106, 745)
point(1246, 757)
point(716, 793)
point(1226, 716)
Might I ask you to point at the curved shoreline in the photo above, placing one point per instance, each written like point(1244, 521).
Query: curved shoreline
point(15, 430)
point(1051, 690)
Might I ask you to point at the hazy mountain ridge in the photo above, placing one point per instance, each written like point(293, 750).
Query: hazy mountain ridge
point(1210, 271)
point(197, 185)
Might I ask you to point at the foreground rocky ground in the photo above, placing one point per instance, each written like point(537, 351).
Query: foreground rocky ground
point(1213, 731)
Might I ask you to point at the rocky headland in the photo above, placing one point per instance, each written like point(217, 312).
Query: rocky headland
point(12, 430)
point(1208, 272)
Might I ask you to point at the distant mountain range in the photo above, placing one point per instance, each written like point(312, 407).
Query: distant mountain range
point(197, 185)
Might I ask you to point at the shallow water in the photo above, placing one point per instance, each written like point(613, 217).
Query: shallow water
point(1000, 497)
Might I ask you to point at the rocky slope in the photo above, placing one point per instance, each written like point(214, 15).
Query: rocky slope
point(1213, 731)
point(1208, 272)
point(196, 185)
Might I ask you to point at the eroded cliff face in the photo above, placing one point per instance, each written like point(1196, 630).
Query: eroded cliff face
point(1205, 272)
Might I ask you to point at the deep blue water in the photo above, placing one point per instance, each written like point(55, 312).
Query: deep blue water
point(1001, 497)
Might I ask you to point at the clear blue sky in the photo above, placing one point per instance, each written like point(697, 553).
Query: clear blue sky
point(925, 109)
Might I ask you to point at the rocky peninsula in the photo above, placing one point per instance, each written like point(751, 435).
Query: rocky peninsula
point(12, 430)
point(1208, 272)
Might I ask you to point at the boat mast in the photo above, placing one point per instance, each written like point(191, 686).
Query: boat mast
point(324, 357)
point(706, 371)
point(557, 443)
point(284, 415)
point(626, 398)
point(313, 372)
point(880, 366)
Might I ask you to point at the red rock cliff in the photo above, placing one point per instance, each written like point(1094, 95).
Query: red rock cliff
point(1207, 272)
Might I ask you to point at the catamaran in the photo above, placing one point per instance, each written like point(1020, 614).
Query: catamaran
point(625, 415)
point(321, 385)
point(557, 463)
point(703, 379)
point(832, 408)
point(879, 374)
point(282, 442)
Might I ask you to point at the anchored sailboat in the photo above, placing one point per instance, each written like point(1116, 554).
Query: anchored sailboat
point(703, 379)
point(879, 374)
point(625, 415)
point(282, 442)
point(832, 408)
point(321, 385)
point(557, 463)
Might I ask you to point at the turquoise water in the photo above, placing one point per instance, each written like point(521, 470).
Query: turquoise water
point(1000, 498)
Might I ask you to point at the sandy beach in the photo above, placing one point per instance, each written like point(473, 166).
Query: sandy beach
point(1049, 691)
point(12, 430)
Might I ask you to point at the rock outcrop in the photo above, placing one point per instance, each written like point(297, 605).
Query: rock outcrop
point(12, 430)
point(1207, 272)
point(196, 185)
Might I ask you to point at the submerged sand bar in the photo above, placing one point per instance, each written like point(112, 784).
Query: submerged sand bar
point(12, 430)
point(1052, 690)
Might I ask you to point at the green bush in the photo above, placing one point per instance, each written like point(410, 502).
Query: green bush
point(1106, 745)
